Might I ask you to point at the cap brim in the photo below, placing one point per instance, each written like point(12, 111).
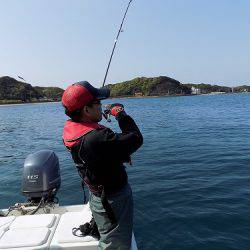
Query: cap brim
point(103, 93)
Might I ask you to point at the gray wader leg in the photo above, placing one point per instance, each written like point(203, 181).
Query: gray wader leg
point(118, 238)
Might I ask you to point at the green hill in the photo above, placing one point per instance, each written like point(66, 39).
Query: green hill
point(13, 91)
point(164, 86)
point(54, 93)
point(143, 86)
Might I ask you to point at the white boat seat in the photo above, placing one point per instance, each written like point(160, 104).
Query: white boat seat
point(24, 237)
point(31, 221)
point(67, 222)
point(64, 238)
point(30, 232)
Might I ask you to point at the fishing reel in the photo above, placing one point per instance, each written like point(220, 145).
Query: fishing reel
point(106, 114)
point(118, 107)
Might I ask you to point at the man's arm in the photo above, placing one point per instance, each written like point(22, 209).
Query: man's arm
point(126, 142)
point(109, 145)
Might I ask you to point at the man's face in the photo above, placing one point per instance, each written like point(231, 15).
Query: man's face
point(95, 111)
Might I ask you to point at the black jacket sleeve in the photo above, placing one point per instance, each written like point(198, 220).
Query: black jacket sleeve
point(116, 146)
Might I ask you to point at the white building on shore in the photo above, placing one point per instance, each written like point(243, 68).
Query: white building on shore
point(195, 91)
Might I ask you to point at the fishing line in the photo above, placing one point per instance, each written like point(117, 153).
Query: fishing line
point(116, 39)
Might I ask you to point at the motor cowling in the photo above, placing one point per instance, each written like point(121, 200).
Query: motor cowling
point(41, 176)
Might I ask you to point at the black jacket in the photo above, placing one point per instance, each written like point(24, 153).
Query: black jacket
point(100, 154)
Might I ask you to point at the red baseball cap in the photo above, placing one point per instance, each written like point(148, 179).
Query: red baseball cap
point(77, 95)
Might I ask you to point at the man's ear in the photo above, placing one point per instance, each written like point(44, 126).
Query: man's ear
point(85, 110)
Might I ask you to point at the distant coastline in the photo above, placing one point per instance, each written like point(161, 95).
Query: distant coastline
point(158, 96)
point(117, 97)
point(13, 91)
point(166, 86)
point(18, 102)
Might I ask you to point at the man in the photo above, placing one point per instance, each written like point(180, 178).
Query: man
point(99, 154)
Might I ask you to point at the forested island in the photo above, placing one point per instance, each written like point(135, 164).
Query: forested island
point(166, 86)
point(14, 91)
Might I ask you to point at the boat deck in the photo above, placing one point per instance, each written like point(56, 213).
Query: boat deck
point(50, 230)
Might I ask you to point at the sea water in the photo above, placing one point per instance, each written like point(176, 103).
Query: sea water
point(190, 179)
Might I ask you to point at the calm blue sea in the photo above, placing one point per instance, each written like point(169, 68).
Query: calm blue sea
point(191, 178)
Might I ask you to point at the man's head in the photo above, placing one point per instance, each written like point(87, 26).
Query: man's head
point(82, 101)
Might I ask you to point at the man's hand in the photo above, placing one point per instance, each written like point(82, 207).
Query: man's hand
point(114, 109)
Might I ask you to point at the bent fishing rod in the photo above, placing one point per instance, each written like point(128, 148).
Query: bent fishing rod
point(116, 39)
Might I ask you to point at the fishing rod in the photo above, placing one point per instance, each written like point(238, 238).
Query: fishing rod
point(116, 39)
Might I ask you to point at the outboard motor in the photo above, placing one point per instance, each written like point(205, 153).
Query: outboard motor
point(41, 176)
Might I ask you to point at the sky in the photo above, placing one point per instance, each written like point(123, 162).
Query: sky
point(59, 42)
